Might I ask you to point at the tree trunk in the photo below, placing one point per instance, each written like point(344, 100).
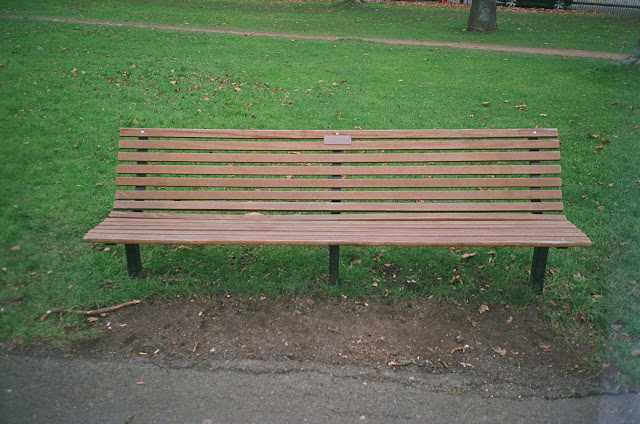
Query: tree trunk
point(483, 16)
point(634, 57)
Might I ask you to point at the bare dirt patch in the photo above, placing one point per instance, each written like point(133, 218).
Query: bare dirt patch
point(497, 348)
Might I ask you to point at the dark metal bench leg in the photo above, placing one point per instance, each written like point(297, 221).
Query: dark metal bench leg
point(134, 263)
point(539, 268)
point(334, 264)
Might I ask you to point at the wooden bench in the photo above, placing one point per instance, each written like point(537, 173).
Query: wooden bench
point(448, 188)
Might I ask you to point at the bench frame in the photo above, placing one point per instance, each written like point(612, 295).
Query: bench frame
point(399, 187)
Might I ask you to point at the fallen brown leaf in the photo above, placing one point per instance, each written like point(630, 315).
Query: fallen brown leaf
point(482, 309)
point(500, 351)
point(472, 322)
point(545, 347)
point(355, 262)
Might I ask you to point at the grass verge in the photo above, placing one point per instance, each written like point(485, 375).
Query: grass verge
point(67, 88)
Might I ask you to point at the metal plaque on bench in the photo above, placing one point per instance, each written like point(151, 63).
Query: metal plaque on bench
point(337, 139)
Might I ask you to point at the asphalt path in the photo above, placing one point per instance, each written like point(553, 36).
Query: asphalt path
point(131, 390)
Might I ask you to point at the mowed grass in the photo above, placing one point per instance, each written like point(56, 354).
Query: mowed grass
point(609, 33)
point(66, 89)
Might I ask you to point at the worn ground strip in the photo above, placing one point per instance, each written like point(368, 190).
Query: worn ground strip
point(467, 46)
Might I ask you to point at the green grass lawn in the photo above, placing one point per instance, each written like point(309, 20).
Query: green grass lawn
point(609, 33)
point(66, 89)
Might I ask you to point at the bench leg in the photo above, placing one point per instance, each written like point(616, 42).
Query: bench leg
point(334, 264)
point(134, 263)
point(539, 268)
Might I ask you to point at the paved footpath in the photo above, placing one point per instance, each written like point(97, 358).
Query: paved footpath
point(467, 46)
point(71, 390)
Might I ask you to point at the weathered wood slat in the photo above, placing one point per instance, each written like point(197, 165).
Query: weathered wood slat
point(342, 183)
point(308, 241)
point(372, 217)
point(343, 158)
point(357, 145)
point(400, 227)
point(411, 236)
point(338, 207)
point(356, 134)
point(340, 195)
point(344, 170)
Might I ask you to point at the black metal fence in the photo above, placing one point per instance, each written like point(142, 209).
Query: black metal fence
point(623, 7)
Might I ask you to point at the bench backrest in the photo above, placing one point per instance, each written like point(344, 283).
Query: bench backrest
point(346, 171)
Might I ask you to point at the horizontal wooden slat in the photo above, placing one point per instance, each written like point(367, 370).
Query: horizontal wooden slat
point(372, 217)
point(340, 195)
point(337, 207)
point(338, 183)
point(343, 170)
point(356, 134)
point(311, 234)
point(252, 239)
point(408, 229)
point(342, 158)
point(295, 224)
point(481, 144)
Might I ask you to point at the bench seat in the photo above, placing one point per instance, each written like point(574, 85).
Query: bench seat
point(461, 230)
